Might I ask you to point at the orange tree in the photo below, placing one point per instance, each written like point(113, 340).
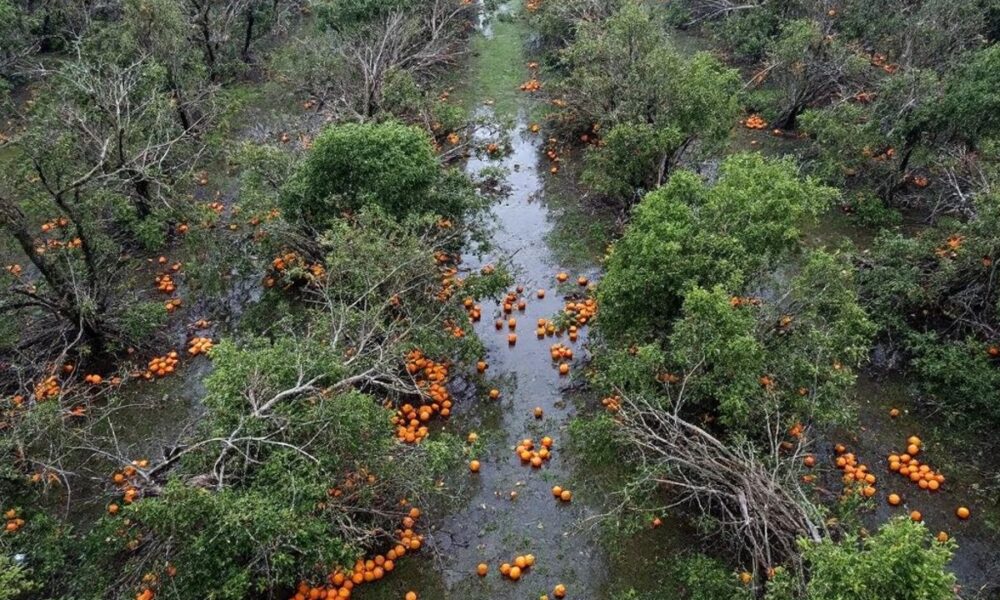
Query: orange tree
point(935, 298)
point(689, 233)
point(295, 463)
point(718, 359)
point(640, 103)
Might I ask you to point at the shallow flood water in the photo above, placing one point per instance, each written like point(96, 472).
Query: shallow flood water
point(494, 528)
point(511, 510)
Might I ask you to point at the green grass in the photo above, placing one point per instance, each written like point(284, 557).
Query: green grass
point(498, 67)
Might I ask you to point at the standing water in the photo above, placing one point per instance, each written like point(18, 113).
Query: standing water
point(511, 510)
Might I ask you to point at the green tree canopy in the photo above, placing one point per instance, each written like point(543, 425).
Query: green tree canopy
point(690, 233)
point(901, 561)
point(353, 165)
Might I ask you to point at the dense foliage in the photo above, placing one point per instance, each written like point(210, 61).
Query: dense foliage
point(647, 104)
point(691, 233)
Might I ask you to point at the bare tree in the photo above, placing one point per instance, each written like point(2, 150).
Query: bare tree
point(752, 494)
point(417, 39)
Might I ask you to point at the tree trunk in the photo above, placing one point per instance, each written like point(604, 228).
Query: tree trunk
point(248, 34)
point(12, 217)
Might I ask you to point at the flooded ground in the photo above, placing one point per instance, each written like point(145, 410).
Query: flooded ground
point(512, 510)
point(878, 435)
point(546, 227)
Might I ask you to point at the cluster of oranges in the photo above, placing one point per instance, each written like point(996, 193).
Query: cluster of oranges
point(342, 581)
point(857, 478)
point(561, 355)
point(93, 379)
point(172, 304)
point(146, 594)
point(545, 327)
point(14, 269)
point(755, 122)
point(552, 153)
point(124, 479)
point(14, 522)
point(200, 345)
point(165, 283)
point(531, 85)
point(449, 275)
point(47, 388)
point(907, 465)
point(474, 310)
point(285, 261)
point(289, 260)
point(581, 312)
point(879, 60)
point(514, 300)
point(667, 377)
point(453, 329)
point(561, 494)
point(58, 244)
point(53, 224)
point(529, 455)
point(431, 378)
point(612, 403)
point(950, 247)
point(161, 366)
point(520, 566)
point(738, 301)
point(560, 352)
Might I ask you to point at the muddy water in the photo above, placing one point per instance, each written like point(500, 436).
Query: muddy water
point(511, 510)
point(494, 528)
point(877, 435)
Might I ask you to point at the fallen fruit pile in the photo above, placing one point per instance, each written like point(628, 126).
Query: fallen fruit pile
point(520, 566)
point(200, 345)
point(529, 455)
point(856, 477)
point(907, 465)
point(342, 582)
point(755, 122)
point(14, 522)
point(430, 378)
point(161, 366)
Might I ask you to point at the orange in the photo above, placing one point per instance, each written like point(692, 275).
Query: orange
point(482, 569)
point(962, 512)
point(474, 466)
point(916, 517)
point(559, 591)
point(894, 499)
